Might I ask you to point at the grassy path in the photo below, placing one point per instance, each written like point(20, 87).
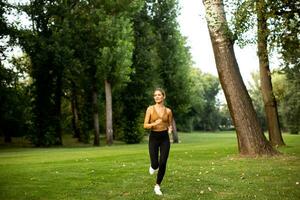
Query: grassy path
point(202, 166)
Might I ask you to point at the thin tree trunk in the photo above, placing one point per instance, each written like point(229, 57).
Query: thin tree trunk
point(270, 103)
point(58, 92)
point(109, 125)
point(174, 132)
point(75, 114)
point(251, 140)
point(96, 116)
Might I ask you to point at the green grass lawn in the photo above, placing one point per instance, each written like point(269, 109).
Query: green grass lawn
point(202, 166)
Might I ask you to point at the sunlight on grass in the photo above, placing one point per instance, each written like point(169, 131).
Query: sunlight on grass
point(202, 166)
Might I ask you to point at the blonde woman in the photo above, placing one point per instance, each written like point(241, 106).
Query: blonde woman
point(159, 119)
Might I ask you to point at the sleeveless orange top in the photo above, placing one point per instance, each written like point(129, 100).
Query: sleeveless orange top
point(166, 119)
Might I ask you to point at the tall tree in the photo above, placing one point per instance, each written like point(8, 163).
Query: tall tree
point(270, 103)
point(14, 98)
point(285, 28)
point(103, 33)
point(115, 51)
point(251, 140)
point(160, 59)
point(143, 80)
point(175, 60)
point(244, 18)
point(41, 45)
point(83, 23)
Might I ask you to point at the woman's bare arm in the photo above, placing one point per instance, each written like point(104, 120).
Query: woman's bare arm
point(170, 118)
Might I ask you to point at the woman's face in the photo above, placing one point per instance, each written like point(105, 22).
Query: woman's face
point(158, 96)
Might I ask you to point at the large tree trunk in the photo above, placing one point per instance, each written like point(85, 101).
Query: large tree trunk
point(109, 125)
point(251, 140)
point(96, 116)
point(270, 103)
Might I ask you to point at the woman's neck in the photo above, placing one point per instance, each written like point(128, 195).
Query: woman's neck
point(160, 105)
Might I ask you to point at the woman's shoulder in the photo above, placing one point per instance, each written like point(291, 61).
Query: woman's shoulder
point(169, 110)
point(150, 108)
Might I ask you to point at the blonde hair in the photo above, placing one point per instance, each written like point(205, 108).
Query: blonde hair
point(161, 90)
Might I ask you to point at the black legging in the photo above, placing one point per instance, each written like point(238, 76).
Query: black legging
point(159, 141)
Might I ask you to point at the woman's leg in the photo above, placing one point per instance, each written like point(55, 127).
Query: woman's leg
point(164, 154)
point(153, 150)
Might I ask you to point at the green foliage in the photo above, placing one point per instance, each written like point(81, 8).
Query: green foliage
point(4, 27)
point(134, 132)
point(225, 119)
point(15, 111)
point(204, 112)
point(289, 103)
point(287, 99)
point(73, 47)
point(135, 45)
point(160, 59)
point(43, 44)
point(256, 96)
point(285, 22)
point(107, 54)
point(284, 29)
point(137, 95)
point(243, 22)
point(175, 59)
point(115, 50)
point(283, 26)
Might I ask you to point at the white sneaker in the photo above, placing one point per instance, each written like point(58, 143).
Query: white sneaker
point(151, 170)
point(157, 190)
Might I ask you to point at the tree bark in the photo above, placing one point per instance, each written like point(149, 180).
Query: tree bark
point(57, 114)
point(251, 140)
point(174, 132)
point(270, 103)
point(109, 125)
point(75, 114)
point(96, 116)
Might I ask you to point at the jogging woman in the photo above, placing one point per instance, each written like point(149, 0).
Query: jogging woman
point(159, 119)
